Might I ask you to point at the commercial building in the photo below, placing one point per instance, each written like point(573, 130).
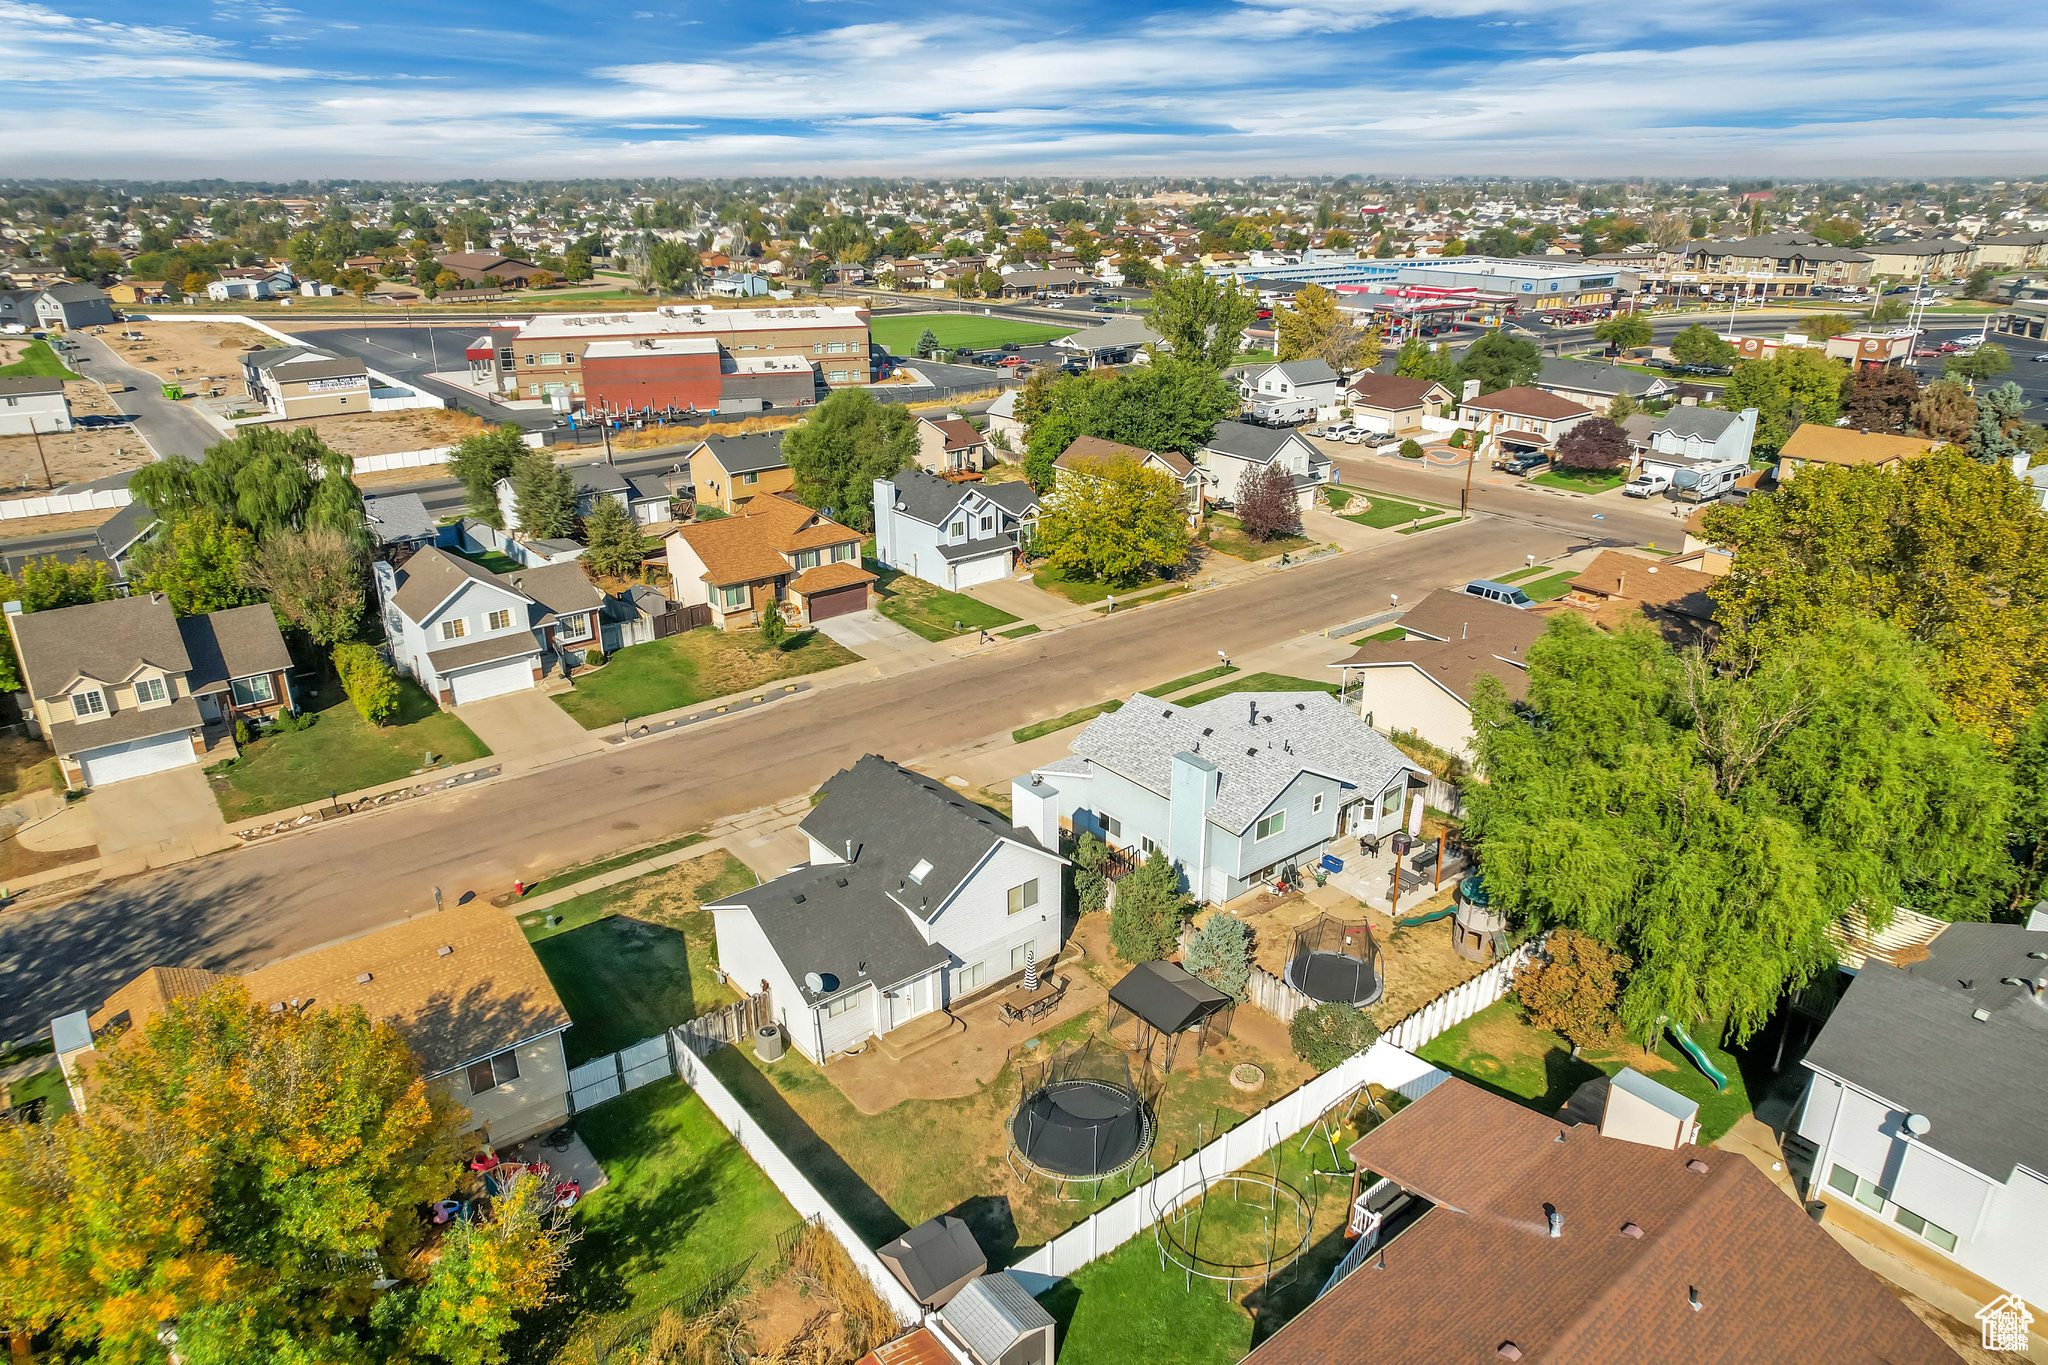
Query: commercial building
point(2025, 320)
point(305, 381)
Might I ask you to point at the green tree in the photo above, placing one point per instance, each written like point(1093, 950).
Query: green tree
point(1624, 331)
point(200, 561)
point(576, 265)
point(2027, 833)
point(1200, 317)
point(1417, 359)
point(371, 684)
point(1797, 385)
point(1170, 405)
point(1220, 953)
point(262, 479)
point(1116, 521)
point(850, 441)
point(1410, 449)
point(673, 265)
point(315, 580)
point(1146, 916)
point(246, 1175)
point(1979, 282)
point(616, 546)
point(1985, 362)
point(1712, 825)
point(1499, 361)
point(1339, 240)
point(1951, 552)
point(49, 583)
point(543, 497)
point(1995, 435)
point(1330, 1034)
point(773, 629)
point(1888, 310)
point(1945, 411)
point(1821, 326)
point(1383, 249)
point(927, 344)
point(1699, 345)
point(1091, 875)
point(479, 461)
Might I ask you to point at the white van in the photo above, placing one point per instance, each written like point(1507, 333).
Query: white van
point(1506, 594)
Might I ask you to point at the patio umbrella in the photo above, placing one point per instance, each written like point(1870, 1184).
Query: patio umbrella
point(1030, 966)
point(1415, 817)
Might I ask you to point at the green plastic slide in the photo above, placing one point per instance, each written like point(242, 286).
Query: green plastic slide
point(1697, 1053)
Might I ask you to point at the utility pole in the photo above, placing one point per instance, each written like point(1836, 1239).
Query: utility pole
point(48, 482)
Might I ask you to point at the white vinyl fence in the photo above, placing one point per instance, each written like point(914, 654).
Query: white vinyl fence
point(610, 1076)
point(50, 504)
point(1461, 1002)
point(1102, 1232)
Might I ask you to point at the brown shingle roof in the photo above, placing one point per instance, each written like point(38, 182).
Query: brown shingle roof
point(1528, 402)
point(1843, 446)
point(237, 643)
point(733, 551)
point(1088, 449)
point(1447, 614)
point(105, 641)
point(1615, 574)
point(789, 526)
point(959, 434)
point(826, 577)
point(1392, 391)
point(1480, 1270)
point(1455, 665)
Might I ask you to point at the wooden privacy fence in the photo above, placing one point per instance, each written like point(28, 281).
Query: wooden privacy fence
point(676, 620)
point(1262, 988)
point(1461, 1002)
point(734, 1023)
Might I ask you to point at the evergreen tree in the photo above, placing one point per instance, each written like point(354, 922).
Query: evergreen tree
point(1221, 954)
point(543, 498)
point(479, 462)
point(1146, 918)
point(616, 546)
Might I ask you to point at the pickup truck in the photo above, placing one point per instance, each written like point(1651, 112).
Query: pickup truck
point(1526, 463)
point(1645, 486)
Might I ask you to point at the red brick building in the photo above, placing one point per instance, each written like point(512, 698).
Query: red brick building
point(657, 372)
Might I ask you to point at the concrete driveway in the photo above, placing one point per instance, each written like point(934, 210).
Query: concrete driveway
point(1021, 598)
point(155, 821)
point(873, 635)
point(525, 724)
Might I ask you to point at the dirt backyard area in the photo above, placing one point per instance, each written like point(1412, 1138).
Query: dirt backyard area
point(186, 352)
point(75, 456)
point(388, 433)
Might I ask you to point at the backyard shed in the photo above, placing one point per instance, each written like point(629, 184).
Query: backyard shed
point(999, 1323)
point(935, 1260)
point(1156, 1003)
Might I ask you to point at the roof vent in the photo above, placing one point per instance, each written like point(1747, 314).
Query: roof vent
point(839, 881)
point(1167, 714)
point(1632, 1231)
point(1556, 1222)
point(363, 979)
point(1301, 706)
point(1981, 1016)
point(796, 898)
point(1208, 730)
point(863, 966)
point(1251, 753)
point(1696, 1166)
point(444, 950)
point(1692, 1296)
point(1508, 1351)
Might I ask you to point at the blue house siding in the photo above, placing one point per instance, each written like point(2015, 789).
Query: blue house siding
point(1140, 812)
point(1304, 830)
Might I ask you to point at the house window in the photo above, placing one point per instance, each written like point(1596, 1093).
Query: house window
point(732, 599)
point(85, 704)
point(1316, 806)
point(958, 528)
point(252, 691)
point(501, 620)
point(1914, 1223)
point(572, 628)
point(529, 358)
point(1271, 825)
point(836, 348)
point(492, 1072)
point(843, 553)
point(808, 559)
point(1023, 897)
point(988, 523)
point(972, 977)
point(454, 628)
point(1145, 845)
point(1018, 956)
point(1114, 826)
point(835, 1008)
point(750, 478)
point(149, 690)
point(551, 357)
point(817, 348)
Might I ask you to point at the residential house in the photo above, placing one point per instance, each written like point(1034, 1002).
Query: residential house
point(1703, 451)
point(950, 444)
point(1234, 449)
point(643, 495)
point(1088, 454)
point(251, 284)
point(1926, 1132)
point(399, 521)
point(1794, 262)
point(1619, 587)
point(30, 404)
point(1699, 552)
point(1232, 789)
point(137, 291)
point(72, 306)
point(1424, 682)
point(305, 381)
point(1846, 448)
point(913, 900)
point(955, 535)
point(481, 267)
point(1596, 386)
point(1523, 419)
point(1003, 424)
point(1494, 1232)
point(1290, 382)
point(464, 633)
point(1392, 403)
point(774, 553)
point(728, 472)
point(126, 687)
point(462, 985)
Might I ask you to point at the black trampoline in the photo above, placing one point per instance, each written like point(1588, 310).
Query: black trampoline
point(1079, 1118)
point(1335, 961)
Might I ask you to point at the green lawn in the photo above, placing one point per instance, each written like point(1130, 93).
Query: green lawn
point(694, 666)
point(932, 611)
point(1181, 684)
point(633, 959)
point(583, 872)
point(1389, 513)
point(1041, 728)
point(681, 1203)
point(1227, 536)
point(1496, 1049)
point(1390, 633)
point(47, 1086)
point(1428, 526)
point(1019, 632)
point(38, 361)
point(1550, 587)
point(1580, 480)
point(341, 752)
point(497, 561)
point(1258, 682)
point(1088, 593)
point(1338, 498)
point(898, 334)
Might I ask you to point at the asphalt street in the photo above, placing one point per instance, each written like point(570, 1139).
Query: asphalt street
point(170, 428)
point(239, 909)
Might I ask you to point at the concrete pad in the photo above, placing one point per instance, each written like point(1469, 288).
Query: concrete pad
point(44, 822)
point(520, 724)
point(873, 635)
point(156, 820)
point(1020, 597)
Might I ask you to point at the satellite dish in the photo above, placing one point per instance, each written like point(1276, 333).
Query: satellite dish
point(1918, 1124)
point(812, 981)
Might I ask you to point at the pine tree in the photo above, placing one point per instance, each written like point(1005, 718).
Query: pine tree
point(1144, 924)
point(617, 548)
point(1221, 954)
point(544, 498)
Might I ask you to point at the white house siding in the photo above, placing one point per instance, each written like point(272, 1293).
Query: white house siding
point(1402, 698)
point(976, 924)
point(856, 1024)
point(686, 574)
point(537, 1100)
point(2007, 1247)
point(473, 603)
point(1139, 811)
point(746, 958)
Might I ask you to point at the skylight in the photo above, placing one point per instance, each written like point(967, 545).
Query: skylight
point(921, 871)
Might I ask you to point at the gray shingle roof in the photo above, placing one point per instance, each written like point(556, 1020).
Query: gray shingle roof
point(119, 533)
point(1247, 442)
point(831, 918)
point(237, 643)
point(22, 384)
point(1016, 497)
point(1309, 371)
point(926, 497)
point(1911, 1037)
point(895, 818)
point(598, 477)
point(430, 576)
point(994, 1313)
point(559, 588)
point(1693, 420)
point(399, 516)
point(489, 650)
point(105, 641)
point(746, 454)
point(1294, 732)
point(69, 738)
point(1584, 376)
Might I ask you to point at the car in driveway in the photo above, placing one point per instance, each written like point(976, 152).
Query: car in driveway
point(1526, 463)
point(1646, 485)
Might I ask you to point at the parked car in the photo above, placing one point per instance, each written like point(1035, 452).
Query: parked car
point(1337, 431)
point(1528, 462)
point(1926, 351)
point(1056, 304)
point(1376, 439)
point(2040, 356)
point(1646, 485)
point(1504, 593)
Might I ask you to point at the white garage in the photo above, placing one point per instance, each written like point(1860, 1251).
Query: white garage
point(137, 757)
point(986, 569)
point(492, 680)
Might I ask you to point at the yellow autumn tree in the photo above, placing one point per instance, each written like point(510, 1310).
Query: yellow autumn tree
point(1315, 328)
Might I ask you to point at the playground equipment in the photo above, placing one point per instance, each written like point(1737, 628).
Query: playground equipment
point(1245, 1226)
point(1079, 1119)
point(1336, 961)
point(1694, 1051)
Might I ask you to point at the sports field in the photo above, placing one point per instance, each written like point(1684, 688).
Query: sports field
point(899, 333)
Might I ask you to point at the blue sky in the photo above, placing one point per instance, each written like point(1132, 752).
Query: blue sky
point(249, 88)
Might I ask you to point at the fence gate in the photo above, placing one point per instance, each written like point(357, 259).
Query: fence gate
point(679, 619)
point(603, 1078)
point(593, 1082)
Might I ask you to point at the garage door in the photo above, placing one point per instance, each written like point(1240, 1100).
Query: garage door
point(838, 601)
point(138, 756)
point(986, 570)
point(496, 680)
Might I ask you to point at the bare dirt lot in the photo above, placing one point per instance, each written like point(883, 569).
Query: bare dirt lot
point(74, 456)
point(187, 352)
point(387, 433)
